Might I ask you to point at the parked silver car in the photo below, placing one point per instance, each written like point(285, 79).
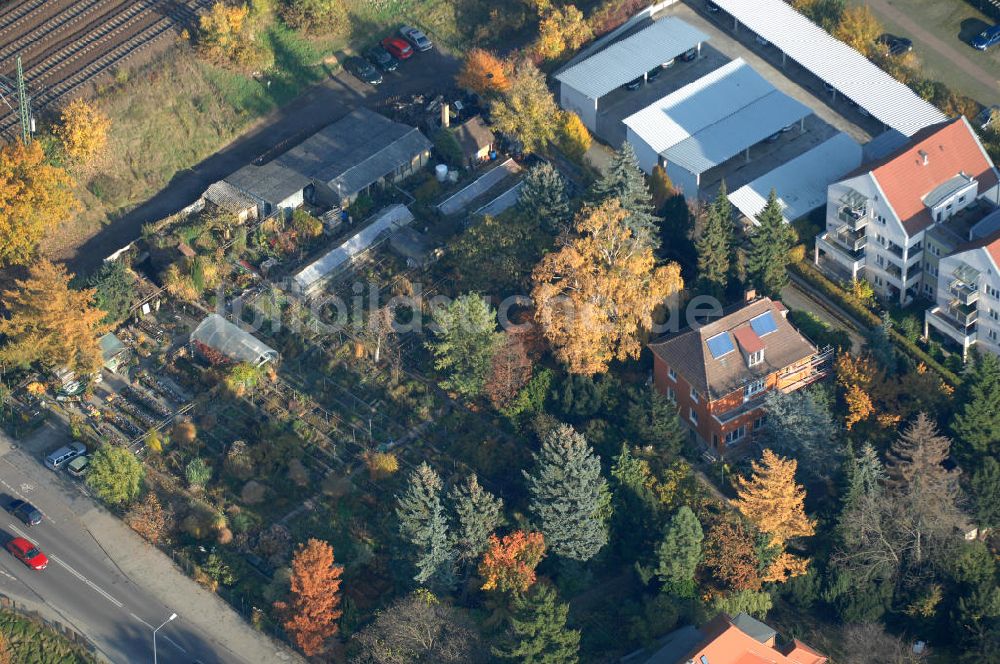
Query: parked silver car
point(416, 37)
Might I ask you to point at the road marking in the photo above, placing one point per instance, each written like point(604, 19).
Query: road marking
point(164, 637)
point(54, 558)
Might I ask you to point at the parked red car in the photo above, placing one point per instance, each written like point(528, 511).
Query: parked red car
point(398, 47)
point(27, 553)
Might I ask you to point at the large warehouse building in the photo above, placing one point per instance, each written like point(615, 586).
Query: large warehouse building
point(708, 122)
point(582, 85)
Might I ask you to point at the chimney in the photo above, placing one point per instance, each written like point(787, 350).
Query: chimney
point(923, 156)
point(445, 116)
point(750, 295)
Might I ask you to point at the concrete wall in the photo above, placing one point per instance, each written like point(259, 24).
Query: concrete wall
point(572, 99)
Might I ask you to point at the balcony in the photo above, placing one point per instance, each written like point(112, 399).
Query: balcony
point(964, 293)
point(944, 322)
point(749, 406)
point(913, 274)
point(962, 314)
point(853, 241)
point(895, 250)
point(801, 375)
point(855, 219)
point(894, 271)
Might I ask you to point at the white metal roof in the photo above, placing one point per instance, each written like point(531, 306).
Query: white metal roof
point(734, 133)
point(394, 216)
point(716, 117)
point(836, 63)
point(631, 57)
point(801, 183)
point(686, 111)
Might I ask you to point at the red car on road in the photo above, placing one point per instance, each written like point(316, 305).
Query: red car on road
point(27, 553)
point(398, 47)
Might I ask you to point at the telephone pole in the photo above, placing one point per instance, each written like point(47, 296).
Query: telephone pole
point(23, 103)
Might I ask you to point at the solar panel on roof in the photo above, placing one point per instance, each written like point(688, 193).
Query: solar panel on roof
point(764, 324)
point(720, 345)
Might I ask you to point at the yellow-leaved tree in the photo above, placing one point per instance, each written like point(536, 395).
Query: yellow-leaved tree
point(83, 131)
point(34, 198)
point(230, 34)
point(859, 29)
point(483, 73)
point(855, 376)
point(50, 322)
point(561, 29)
point(772, 501)
point(596, 296)
point(574, 139)
point(527, 111)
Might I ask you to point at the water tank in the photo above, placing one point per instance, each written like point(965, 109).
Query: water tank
point(441, 172)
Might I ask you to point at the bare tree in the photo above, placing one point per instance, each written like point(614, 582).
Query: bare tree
point(379, 330)
point(867, 642)
point(419, 629)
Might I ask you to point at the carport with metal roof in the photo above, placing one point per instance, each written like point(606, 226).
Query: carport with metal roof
point(710, 121)
point(582, 85)
point(838, 65)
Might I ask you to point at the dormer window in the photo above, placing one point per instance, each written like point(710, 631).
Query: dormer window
point(755, 358)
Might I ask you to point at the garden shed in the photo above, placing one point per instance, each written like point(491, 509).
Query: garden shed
point(217, 334)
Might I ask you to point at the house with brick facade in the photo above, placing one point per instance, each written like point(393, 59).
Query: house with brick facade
point(719, 373)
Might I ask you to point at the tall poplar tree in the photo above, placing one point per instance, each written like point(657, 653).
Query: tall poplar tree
point(770, 244)
point(625, 182)
point(715, 245)
point(423, 524)
point(568, 495)
point(538, 631)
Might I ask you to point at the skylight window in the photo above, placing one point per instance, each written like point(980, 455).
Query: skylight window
point(720, 345)
point(764, 324)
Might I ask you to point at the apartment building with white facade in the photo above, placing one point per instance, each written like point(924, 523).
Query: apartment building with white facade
point(893, 220)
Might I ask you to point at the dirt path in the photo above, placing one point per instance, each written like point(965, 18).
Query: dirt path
point(960, 60)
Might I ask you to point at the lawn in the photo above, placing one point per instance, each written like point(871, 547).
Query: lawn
point(32, 642)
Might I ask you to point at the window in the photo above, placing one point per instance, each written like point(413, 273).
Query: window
point(752, 388)
point(992, 292)
point(993, 314)
point(671, 394)
point(992, 334)
point(880, 261)
point(736, 434)
point(756, 358)
point(758, 423)
point(693, 416)
point(694, 395)
point(672, 375)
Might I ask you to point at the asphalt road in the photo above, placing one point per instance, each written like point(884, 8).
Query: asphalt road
point(326, 102)
point(82, 585)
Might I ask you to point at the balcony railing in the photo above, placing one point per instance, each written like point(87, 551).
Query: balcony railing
point(744, 408)
point(894, 271)
point(852, 240)
point(855, 218)
point(946, 323)
point(832, 241)
point(963, 314)
point(895, 250)
point(963, 292)
point(815, 368)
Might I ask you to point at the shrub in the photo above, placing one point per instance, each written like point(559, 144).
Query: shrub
point(381, 464)
point(448, 148)
point(198, 473)
point(253, 493)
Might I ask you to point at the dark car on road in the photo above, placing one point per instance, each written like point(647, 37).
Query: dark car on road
point(380, 57)
point(363, 70)
point(397, 47)
point(27, 553)
point(988, 37)
point(895, 45)
point(26, 512)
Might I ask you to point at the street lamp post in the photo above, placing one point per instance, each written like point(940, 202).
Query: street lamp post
point(172, 616)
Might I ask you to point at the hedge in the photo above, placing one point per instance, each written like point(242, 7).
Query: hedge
point(837, 294)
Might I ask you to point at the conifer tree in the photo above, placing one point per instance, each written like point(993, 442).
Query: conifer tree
point(771, 500)
point(800, 424)
point(985, 490)
point(655, 422)
point(543, 197)
point(679, 553)
point(464, 343)
point(977, 424)
point(636, 506)
point(312, 611)
point(915, 461)
point(625, 182)
point(423, 524)
point(770, 243)
point(477, 513)
point(538, 632)
point(568, 495)
point(715, 245)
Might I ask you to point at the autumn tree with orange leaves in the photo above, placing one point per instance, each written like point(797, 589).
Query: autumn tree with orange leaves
point(35, 197)
point(483, 73)
point(49, 322)
point(509, 563)
point(772, 501)
point(596, 296)
point(312, 611)
point(731, 554)
point(855, 376)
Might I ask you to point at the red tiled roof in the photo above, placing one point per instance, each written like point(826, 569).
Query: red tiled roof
point(725, 643)
point(748, 339)
point(951, 148)
point(799, 653)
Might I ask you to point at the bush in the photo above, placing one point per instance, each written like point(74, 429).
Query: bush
point(819, 332)
point(198, 473)
point(448, 148)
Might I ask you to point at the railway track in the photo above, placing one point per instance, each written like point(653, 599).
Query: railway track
point(59, 22)
point(96, 52)
point(11, 20)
